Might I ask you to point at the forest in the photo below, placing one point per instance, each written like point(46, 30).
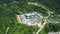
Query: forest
point(8, 9)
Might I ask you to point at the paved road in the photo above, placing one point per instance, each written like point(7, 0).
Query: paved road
point(42, 26)
point(7, 30)
point(40, 5)
point(44, 7)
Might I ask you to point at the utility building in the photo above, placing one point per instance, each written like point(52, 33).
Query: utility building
point(30, 19)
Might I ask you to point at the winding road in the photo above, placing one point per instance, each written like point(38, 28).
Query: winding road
point(44, 7)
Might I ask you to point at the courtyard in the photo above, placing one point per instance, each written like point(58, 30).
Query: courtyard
point(31, 19)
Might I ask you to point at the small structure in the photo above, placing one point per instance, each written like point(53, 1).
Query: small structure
point(33, 18)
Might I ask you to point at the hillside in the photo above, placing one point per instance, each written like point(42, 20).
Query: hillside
point(9, 9)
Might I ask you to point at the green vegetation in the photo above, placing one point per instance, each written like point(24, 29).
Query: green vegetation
point(8, 9)
point(43, 32)
point(8, 18)
point(52, 27)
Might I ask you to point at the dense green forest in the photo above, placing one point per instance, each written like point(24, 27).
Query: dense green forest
point(8, 9)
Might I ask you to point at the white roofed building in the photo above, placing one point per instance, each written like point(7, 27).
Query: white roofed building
point(33, 18)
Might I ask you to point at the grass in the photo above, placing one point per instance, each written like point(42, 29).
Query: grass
point(42, 32)
point(18, 28)
point(7, 16)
